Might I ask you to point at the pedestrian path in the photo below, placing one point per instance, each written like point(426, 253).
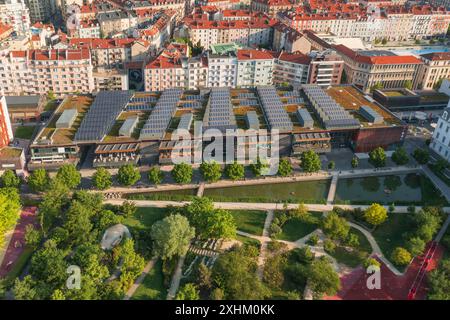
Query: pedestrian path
point(265, 240)
point(140, 279)
point(176, 279)
point(438, 183)
point(332, 190)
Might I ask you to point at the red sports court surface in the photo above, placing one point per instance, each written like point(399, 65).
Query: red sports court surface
point(17, 243)
point(393, 287)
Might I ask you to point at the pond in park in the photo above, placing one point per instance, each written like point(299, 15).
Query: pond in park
point(294, 192)
point(382, 189)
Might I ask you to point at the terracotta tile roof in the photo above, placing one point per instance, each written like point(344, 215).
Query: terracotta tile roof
point(169, 58)
point(98, 43)
point(298, 58)
point(238, 24)
point(253, 54)
point(60, 54)
point(394, 59)
point(437, 56)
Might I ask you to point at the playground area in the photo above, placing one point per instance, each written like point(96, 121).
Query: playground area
point(11, 258)
point(393, 287)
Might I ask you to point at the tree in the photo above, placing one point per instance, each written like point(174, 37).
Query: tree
point(384, 41)
point(422, 156)
point(204, 276)
point(182, 173)
point(400, 256)
point(331, 165)
point(259, 168)
point(335, 227)
point(400, 156)
point(273, 270)
point(32, 236)
point(439, 280)
point(25, 289)
point(9, 211)
point(39, 180)
point(78, 223)
point(58, 295)
point(171, 236)
point(128, 175)
point(51, 95)
point(355, 162)
point(329, 246)
point(188, 292)
point(416, 246)
point(310, 161)
point(234, 273)
point(102, 179)
point(211, 171)
point(235, 171)
point(322, 279)
point(377, 157)
point(376, 86)
point(9, 179)
point(155, 175)
point(106, 219)
point(49, 265)
point(128, 208)
point(376, 214)
point(221, 225)
point(284, 167)
point(69, 176)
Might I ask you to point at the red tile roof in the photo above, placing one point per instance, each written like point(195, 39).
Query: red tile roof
point(98, 43)
point(253, 54)
point(394, 59)
point(60, 54)
point(298, 58)
point(437, 56)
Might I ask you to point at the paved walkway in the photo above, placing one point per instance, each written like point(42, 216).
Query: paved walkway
point(332, 190)
point(141, 278)
point(265, 239)
point(437, 182)
point(201, 189)
point(257, 206)
point(176, 279)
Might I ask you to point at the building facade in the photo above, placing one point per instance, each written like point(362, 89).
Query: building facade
point(440, 142)
point(435, 68)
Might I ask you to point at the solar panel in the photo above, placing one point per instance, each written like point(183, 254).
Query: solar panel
point(332, 115)
point(219, 111)
point(101, 116)
point(186, 121)
point(273, 108)
point(159, 119)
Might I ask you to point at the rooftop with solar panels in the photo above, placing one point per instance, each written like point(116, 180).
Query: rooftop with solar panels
point(121, 117)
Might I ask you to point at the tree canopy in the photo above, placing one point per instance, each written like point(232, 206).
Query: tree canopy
point(69, 176)
point(335, 227)
point(284, 167)
point(211, 171)
point(9, 179)
point(102, 179)
point(376, 214)
point(235, 171)
point(182, 173)
point(400, 156)
point(9, 211)
point(377, 157)
point(322, 279)
point(422, 156)
point(310, 161)
point(39, 180)
point(128, 175)
point(155, 175)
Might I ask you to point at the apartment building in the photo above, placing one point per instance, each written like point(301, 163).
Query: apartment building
point(368, 68)
point(16, 14)
point(197, 72)
point(5, 31)
point(166, 70)
point(222, 70)
point(271, 7)
point(6, 134)
point(291, 69)
point(254, 68)
point(440, 142)
point(289, 40)
point(349, 20)
point(326, 69)
point(40, 10)
point(88, 29)
point(435, 67)
point(117, 22)
point(34, 72)
point(247, 33)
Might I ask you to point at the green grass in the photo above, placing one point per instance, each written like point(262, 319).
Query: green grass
point(152, 288)
point(430, 195)
point(247, 240)
point(364, 244)
point(250, 221)
point(51, 105)
point(19, 266)
point(352, 258)
point(145, 217)
point(24, 132)
point(439, 174)
point(389, 235)
point(295, 228)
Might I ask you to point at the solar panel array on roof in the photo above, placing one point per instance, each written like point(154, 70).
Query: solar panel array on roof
point(159, 119)
point(244, 95)
point(102, 114)
point(219, 111)
point(276, 115)
point(193, 97)
point(305, 118)
point(251, 118)
point(186, 121)
point(332, 115)
point(248, 102)
point(139, 107)
point(371, 115)
point(144, 99)
point(193, 105)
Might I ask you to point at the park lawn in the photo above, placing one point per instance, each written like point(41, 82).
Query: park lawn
point(353, 258)
point(24, 132)
point(389, 234)
point(152, 288)
point(250, 221)
point(364, 244)
point(295, 228)
point(249, 241)
point(143, 218)
point(18, 267)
